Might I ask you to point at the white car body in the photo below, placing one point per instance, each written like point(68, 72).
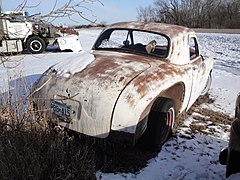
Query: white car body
point(113, 90)
point(69, 42)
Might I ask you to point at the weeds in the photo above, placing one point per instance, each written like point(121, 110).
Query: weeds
point(31, 149)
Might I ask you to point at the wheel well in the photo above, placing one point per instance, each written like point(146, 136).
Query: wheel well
point(26, 40)
point(159, 124)
point(176, 94)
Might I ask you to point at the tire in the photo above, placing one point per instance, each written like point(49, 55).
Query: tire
point(237, 109)
point(160, 123)
point(223, 156)
point(36, 45)
point(207, 86)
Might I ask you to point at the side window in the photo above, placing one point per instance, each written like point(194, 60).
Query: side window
point(153, 43)
point(116, 39)
point(193, 48)
point(145, 38)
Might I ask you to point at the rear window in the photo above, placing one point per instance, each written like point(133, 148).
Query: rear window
point(135, 41)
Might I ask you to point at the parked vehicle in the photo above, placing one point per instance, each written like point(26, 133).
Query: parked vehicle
point(230, 156)
point(69, 43)
point(130, 87)
point(19, 31)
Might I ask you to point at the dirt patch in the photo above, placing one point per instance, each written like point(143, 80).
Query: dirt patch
point(129, 159)
point(126, 159)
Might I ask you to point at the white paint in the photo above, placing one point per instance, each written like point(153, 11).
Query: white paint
point(181, 158)
point(76, 63)
point(69, 42)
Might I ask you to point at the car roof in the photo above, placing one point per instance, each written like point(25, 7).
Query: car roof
point(168, 29)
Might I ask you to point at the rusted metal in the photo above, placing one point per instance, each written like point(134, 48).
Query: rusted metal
point(167, 29)
point(115, 90)
point(67, 30)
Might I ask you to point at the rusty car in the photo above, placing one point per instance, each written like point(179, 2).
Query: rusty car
point(130, 87)
point(230, 156)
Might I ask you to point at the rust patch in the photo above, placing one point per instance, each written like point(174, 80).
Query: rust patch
point(69, 31)
point(99, 66)
point(199, 63)
point(114, 67)
point(121, 79)
point(171, 70)
point(172, 49)
point(130, 100)
point(154, 76)
point(168, 29)
point(176, 92)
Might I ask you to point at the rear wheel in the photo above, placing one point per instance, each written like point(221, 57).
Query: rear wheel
point(160, 124)
point(36, 45)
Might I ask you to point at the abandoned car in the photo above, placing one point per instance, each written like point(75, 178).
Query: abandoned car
point(230, 156)
point(130, 87)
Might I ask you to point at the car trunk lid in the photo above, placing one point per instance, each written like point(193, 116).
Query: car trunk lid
point(93, 91)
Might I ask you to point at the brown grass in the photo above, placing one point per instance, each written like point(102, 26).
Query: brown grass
point(31, 149)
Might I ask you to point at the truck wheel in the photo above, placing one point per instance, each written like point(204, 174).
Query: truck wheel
point(207, 86)
point(160, 123)
point(36, 45)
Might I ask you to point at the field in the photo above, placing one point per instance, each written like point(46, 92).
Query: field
point(192, 153)
point(220, 31)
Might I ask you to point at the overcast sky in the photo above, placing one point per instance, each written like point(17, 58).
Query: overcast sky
point(111, 10)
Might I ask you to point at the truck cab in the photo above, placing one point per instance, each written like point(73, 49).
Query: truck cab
point(20, 31)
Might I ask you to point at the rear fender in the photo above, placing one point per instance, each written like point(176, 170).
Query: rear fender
point(131, 114)
point(176, 93)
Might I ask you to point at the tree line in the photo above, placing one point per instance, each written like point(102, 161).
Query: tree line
point(193, 13)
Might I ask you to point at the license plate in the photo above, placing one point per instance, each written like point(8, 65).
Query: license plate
point(61, 109)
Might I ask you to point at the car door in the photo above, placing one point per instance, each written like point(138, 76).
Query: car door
point(198, 69)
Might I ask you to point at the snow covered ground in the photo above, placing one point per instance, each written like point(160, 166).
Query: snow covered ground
point(181, 157)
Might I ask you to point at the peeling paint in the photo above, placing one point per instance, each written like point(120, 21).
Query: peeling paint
point(115, 90)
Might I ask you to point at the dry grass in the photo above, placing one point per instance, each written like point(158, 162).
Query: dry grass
point(31, 149)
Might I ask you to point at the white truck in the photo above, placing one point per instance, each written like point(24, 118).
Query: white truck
point(19, 31)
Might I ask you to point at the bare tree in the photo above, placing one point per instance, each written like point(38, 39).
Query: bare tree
point(60, 9)
point(64, 8)
point(146, 14)
point(195, 13)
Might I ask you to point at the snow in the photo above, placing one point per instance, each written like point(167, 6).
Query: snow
point(181, 157)
point(225, 87)
point(74, 64)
